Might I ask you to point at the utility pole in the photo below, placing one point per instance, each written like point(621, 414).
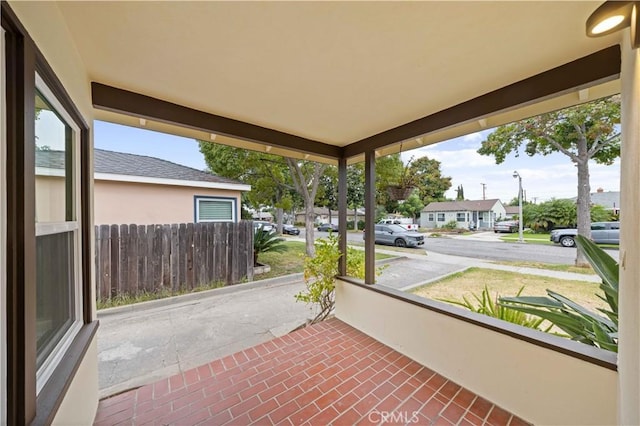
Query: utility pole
point(484, 187)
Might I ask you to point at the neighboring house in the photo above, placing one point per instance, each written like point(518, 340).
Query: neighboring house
point(610, 200)
point(321, 215)
point(511, 212)
point(136, 189)
point(479, 214)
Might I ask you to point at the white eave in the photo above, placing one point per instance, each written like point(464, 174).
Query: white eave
point(45, 171)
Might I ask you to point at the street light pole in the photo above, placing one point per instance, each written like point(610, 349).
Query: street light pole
point(520, 221)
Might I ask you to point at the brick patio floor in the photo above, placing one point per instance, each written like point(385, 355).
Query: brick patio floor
point(329, 373)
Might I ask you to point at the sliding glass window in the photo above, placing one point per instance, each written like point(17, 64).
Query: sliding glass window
point(58, 278)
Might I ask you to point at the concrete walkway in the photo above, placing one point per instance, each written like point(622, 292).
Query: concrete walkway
point(139, 344)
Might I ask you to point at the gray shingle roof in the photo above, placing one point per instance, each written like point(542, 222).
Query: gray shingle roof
point(461, 206)
point(120, 163)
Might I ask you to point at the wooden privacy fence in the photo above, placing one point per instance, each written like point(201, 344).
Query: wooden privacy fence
point(131, 259)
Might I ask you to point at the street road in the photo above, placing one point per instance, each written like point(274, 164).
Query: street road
point(492, 250)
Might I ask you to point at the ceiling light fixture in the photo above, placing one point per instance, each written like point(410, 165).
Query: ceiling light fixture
point(613, 16)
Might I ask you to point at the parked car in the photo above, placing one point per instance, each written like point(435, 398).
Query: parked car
point(326, 227)
point(601, 233)
point(404, 222)
point(506, 226)
point(265, 226)
point(397, 235)
point(290, 229)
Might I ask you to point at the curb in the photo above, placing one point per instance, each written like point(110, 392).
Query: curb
point(432, 280)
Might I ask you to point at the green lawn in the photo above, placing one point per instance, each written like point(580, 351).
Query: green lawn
point(290, 261)
point(528, 238)
point(473, 280)
point(549, 266)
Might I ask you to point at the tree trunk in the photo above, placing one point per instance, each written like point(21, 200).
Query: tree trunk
point(583, 207)
point(307, 187)
point(330, 215)
point(279, 219)
point(355, 218)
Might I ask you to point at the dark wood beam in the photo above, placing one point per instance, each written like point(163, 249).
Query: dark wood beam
point(369, 217)
point(598, 67)
point(342, 215)
point(130, 103)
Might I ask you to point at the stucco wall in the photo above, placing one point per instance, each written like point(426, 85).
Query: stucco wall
point(541, 385)
point(146, 204)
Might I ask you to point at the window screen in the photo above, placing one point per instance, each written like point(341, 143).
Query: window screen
point(215, 210)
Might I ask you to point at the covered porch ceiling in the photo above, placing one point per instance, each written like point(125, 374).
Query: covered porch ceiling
point(324, 80)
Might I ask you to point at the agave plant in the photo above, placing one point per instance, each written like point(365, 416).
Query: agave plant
point(489, 306)
point(578, 322)
point(265, 241)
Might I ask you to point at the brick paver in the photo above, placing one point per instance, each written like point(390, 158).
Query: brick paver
point(329, 373)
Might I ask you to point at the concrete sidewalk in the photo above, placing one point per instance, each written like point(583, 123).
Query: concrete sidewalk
point(141, 343)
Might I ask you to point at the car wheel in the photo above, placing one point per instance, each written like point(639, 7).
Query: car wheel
point(495, 232)
point(400, 243)
point(567, 242)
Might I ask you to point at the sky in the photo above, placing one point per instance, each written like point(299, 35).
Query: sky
point(543, 177)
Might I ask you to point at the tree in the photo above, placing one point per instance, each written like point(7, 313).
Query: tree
point(355, 189)
point(306, 179)
point(460, 193)
point(424, 172)
point(268, 175)
point(272, 179)
point(431, 184)
point(328, 190)
point(582, 133)
point(411, 207)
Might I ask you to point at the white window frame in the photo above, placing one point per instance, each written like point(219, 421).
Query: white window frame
point(464, 217)
point(431, 217)
point(231, 200)
point(46, 369)
point(444, 217)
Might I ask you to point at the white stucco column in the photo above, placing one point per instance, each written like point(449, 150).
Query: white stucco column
point(629, 305)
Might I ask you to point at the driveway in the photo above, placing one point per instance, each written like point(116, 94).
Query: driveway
point(140, 344)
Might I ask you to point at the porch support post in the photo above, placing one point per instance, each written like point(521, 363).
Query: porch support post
point(369, 217)
point(342, 215)
point(629, 299)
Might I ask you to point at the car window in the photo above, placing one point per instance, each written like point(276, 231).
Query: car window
point(396, 228)
point(378, 228)
point(597, 226)
point(615, 225)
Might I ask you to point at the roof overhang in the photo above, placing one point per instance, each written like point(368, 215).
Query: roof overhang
point(325, 80)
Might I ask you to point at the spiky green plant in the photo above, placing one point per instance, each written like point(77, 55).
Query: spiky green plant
point(578, 322)
point(489, 306)
point(264, 241)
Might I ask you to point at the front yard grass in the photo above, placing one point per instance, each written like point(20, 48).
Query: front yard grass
point(550, 266)
point(290, 261)
point(528, 238)
point(473, 281)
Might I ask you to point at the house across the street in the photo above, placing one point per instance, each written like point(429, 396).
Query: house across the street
point(473, 214)
point(142, 190)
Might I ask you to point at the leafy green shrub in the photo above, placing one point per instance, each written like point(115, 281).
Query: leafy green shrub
point(361, 225)
point(452, 224)
point(578, 322)
point(320, 272)
point(489, 306)
point(264, 241)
